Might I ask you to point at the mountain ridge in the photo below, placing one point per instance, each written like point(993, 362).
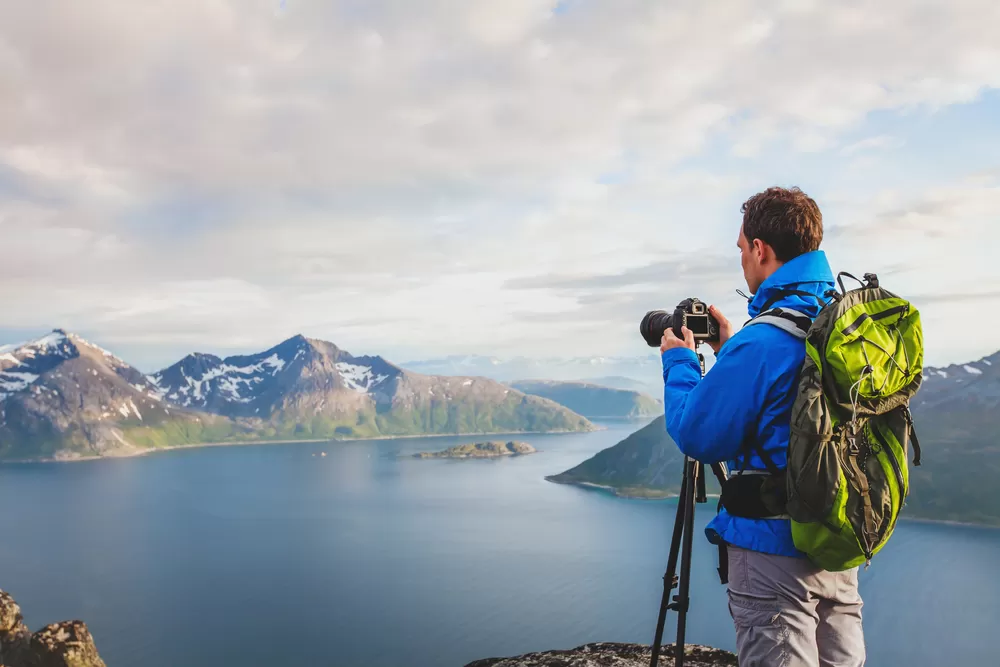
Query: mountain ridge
point(64, 398)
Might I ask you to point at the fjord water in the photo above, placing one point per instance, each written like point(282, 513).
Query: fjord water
point(273, 555)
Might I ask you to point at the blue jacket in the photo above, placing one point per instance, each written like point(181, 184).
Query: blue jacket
point(746, 396)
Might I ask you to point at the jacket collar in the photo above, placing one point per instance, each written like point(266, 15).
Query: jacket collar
point(809, 272)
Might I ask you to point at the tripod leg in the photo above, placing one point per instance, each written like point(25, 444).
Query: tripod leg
point(694, 473)
point(669, 577)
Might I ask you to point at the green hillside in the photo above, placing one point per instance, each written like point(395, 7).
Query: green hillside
point(956, 481)
point(646, 464)
point(593, 401)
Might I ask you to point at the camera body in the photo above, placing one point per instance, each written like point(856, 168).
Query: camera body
point(691, 313)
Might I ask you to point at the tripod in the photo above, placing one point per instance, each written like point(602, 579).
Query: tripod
point(692, 491)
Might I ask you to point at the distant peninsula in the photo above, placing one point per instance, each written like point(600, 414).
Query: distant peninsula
point(480, 450)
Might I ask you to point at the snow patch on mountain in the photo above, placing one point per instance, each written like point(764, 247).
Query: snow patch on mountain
point(972, 370)
point(52, 340)
point(25, 362)
point(232, 381)
point(13, 381)
point(359, 378)
point(53, 344)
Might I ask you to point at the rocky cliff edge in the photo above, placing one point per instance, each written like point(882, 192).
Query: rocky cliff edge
point(608, 654)
point(65, 644)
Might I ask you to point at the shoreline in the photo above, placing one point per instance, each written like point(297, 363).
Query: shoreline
point(614, 491)
point(242, 443)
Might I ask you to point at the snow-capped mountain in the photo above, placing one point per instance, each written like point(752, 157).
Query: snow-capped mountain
point(63, 396)
point(303, 385)
point(974, 382)
point(21, 365)
point(255, 385)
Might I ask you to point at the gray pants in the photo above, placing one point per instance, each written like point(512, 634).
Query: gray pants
point(789, 613)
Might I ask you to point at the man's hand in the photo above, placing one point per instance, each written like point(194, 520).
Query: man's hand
point(725, 329)
point(670, 341)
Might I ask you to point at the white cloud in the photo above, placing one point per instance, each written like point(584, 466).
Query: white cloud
point(232, 171)
point(880, 142)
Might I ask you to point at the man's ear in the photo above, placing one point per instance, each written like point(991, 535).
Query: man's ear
point(762, 251)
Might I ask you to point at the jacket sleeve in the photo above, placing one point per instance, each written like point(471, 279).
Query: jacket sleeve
point(710, 418)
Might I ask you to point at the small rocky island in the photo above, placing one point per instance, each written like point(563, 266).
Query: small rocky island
point(606, 654)
point(480, 450)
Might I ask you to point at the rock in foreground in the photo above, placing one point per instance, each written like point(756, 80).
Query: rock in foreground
point(66, 644)
point(480, 450)
point(608, 654)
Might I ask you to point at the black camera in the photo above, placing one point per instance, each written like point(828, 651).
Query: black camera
point(691, 313)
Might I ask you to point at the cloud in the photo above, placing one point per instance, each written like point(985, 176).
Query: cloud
point(683, 268)
point(880, 142)
point(975, 295)
point(228, 171)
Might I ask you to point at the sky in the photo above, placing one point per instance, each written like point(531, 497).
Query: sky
point(424, 178)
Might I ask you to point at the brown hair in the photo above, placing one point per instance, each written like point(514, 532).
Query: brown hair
point(788, 220)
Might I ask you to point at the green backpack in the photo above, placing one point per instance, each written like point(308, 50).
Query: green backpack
point(851, 428)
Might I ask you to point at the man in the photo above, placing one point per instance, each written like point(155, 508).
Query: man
point(787, 612)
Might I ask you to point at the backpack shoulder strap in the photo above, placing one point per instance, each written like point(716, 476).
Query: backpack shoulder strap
point(787, 319)
point(796, 323)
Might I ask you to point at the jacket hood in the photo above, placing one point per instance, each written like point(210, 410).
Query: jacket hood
point(809, 272)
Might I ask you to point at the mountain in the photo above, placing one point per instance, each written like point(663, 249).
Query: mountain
point(311, 388)
point(956, 419)
point(62, 397)
point(278, 379)
point(591, 400)
point(956, 415)
point(654, 388)
point(977, 382)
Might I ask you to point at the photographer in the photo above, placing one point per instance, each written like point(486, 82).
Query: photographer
point(786, 611)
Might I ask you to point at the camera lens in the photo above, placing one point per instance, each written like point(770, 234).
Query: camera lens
point(653, 325)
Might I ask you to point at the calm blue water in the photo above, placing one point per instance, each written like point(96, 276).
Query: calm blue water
point(268, 555)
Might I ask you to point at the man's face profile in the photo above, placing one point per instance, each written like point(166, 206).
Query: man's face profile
point(750, 262)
